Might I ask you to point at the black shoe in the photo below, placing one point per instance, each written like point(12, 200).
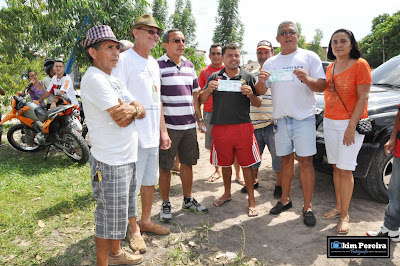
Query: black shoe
point(244, 189)
point(277, 192)
point(279, 207)
point(309, 218)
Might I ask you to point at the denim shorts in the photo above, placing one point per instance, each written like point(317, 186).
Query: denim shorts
point(147, 167)
point(207, 119)
point(116, 198)
point(296, 136)
point(265, 136)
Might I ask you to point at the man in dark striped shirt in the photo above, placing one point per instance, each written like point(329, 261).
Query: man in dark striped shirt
point(179, 88)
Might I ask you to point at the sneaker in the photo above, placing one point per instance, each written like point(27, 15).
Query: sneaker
point(194, 206)
point(124, 258)
point(165, 213)
point(279, 207)
point(383, 231)
point(244, 189)
point(277, 192)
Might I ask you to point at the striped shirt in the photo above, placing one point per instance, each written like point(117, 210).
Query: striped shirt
point(177, 87)
point(262, 116)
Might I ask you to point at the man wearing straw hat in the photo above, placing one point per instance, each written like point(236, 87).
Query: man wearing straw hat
point(110, 112)
point(140, 73)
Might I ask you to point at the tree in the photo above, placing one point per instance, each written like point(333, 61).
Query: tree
point(160, 12)
point(302, 39)
point(184, 20)
point(315, 44)
point(229, 28)
point(383, 43)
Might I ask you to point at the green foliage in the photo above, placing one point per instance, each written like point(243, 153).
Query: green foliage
point(229, 28)
point(315, 44)
point(383, 43)
point(302, 39)
point(184, 20)
point(10, 77)
point(160, 12)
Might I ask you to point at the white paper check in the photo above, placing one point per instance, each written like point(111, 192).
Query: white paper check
point(281, 75)
point(229, 85)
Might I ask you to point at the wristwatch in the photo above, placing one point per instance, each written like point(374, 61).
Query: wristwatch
point(200, 120)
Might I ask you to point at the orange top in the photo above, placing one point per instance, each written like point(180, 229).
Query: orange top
point(346, 84)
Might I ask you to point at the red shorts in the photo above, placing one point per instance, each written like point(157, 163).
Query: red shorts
point(231, 140)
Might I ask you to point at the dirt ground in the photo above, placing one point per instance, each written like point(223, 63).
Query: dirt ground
point(226, 235)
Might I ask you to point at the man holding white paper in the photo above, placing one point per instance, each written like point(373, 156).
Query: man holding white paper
point(233, 90)
point(294, 75)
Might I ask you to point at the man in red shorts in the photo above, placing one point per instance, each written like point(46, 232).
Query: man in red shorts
point(233, 90)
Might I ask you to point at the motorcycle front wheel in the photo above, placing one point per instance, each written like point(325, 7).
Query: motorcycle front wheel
point(73, 145)
point(22, 138)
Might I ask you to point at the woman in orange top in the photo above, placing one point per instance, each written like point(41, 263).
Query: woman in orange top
point(349, 77)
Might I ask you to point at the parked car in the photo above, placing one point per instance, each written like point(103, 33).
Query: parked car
point(374, 167)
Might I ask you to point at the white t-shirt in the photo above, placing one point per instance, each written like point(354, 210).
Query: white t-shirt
point(46, 83)
point(141, 77)
point(294, 98)
point(63, 84)
point(111, 144)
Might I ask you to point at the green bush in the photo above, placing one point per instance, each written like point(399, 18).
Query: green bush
point(10, 76)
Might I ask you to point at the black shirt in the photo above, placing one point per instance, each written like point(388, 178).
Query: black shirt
point(231, 107)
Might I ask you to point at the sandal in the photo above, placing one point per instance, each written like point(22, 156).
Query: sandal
point(214, 177)
point(340, 226)
point(240, 182)
point(253, 212)
point(220, 202)
point(326, 215)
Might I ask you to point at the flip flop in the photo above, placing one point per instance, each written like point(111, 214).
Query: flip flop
point(326, 214)
point(214, 177)
point(240, 182)
point(340, 226)
point(220, 202)
point(252, 212)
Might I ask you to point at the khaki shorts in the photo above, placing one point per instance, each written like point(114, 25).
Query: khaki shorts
point(184, 143)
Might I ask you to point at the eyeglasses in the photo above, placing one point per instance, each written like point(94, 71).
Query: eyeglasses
point(177, 40)
point(152, 32)
point(285, 33)
point(217, 53)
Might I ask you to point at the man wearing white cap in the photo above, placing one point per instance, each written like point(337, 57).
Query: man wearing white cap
point(110, 112)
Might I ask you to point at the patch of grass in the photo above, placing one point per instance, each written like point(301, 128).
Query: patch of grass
point(47, 209)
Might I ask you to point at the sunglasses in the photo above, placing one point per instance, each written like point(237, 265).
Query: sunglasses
point(152, 32)
point(285, 33)
point(177, 40)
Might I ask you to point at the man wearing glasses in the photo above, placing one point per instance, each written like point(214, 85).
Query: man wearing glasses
point(139, 72)
point(179, 89)
point(294, 75)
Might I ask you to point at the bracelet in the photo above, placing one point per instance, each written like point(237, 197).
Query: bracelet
point(138, 113)
point(200, 120)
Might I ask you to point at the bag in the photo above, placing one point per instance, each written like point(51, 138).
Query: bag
point(364, 126)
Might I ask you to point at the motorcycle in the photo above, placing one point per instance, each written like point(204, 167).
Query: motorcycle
point(41, 128)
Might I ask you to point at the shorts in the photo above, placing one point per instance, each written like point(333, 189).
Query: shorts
point(183, 142)
point(116, 198)
point(265, 136)
point(345, 157)
point(147, 167)
point(296, 136)
point(231, 140)
point(207, 119)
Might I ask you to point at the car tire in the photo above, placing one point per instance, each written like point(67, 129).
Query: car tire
point(378, 177)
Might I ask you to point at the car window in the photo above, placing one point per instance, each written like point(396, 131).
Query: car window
point(388, 73)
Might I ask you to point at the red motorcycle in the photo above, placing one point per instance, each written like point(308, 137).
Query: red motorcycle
point(41, 128)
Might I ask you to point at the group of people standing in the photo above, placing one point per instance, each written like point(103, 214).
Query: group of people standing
point(142, 112)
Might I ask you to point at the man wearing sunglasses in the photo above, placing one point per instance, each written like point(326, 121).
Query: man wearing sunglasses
point(179, 88)
point(141, 75)
point(294, 75)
